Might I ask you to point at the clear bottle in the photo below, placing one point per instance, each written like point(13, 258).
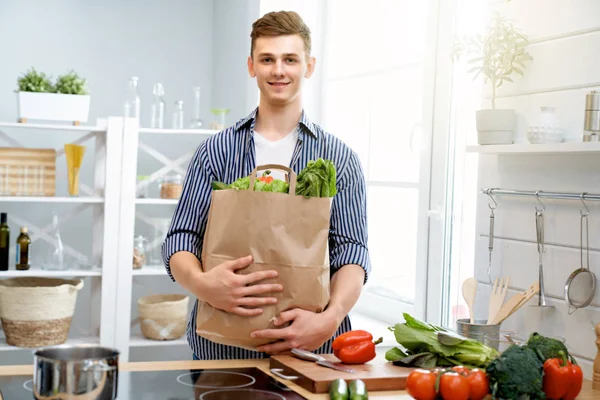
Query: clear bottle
point(4, 242)
point(23, 243)
point(197, 122)
point(56, 258)
point(178, 115)
point(158, 107)
point(132, 102)
point(139, 252)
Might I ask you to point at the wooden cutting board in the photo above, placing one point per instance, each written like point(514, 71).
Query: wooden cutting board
point(376, 374)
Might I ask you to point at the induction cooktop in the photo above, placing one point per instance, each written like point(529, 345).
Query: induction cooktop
point(195, 384)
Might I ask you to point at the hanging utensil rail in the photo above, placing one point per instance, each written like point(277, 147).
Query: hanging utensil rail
point(542, 194)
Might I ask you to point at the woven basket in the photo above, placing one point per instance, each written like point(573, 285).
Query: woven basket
point(163, 316)
point(37, 312)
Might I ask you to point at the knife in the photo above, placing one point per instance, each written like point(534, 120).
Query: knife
point(307, 355)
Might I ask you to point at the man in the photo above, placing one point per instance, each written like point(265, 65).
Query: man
point(277, 132)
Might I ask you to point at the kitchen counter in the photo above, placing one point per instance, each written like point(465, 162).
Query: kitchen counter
point(587, 393)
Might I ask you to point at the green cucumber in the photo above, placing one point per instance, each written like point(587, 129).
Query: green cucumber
point(358, 390)
point(338, 390)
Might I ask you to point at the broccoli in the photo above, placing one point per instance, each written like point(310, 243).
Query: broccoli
point(546, 347)
point(516, 372)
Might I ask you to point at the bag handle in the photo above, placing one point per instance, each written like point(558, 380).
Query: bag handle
point(290, 177)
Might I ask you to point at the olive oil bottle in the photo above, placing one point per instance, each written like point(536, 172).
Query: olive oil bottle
point(4, 242)
point(23, 242)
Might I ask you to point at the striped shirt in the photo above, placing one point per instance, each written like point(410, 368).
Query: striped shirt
point(229, 155)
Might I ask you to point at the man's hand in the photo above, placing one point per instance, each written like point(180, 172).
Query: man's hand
point(308, 331)
point(225, 290)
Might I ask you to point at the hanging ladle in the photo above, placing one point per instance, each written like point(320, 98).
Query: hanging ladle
point(581, 293)
point(539, 227)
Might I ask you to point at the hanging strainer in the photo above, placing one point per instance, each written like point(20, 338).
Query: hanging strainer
point(581, 284)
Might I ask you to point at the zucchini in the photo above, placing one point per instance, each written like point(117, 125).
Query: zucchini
point(357, 390)
point(338, 390)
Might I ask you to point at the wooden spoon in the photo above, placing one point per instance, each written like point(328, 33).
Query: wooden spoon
point(469, 290)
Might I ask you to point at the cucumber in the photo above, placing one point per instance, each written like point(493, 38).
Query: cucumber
point(338, 390)
point(357, 390)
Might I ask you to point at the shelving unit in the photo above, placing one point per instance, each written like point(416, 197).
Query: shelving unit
point(156, 201)
point(102, 198)
point(537, 149)
point(150, 270)
point(138, 340)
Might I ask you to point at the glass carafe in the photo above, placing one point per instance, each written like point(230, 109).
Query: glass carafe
point(197, 122)
point(158, 107)
point(132, 102)
point(56, 257)
point(178, 115)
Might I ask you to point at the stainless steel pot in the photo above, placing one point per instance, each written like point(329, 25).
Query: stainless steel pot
point(75, 372)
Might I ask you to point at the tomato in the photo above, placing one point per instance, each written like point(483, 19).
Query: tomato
point(454, 386)
point(461, 370)
point(420, 384)
point(479, 385)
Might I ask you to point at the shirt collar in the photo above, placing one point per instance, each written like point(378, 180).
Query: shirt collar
point(304, 122)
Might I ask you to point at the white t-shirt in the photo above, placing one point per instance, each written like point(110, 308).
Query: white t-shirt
point(275, 152)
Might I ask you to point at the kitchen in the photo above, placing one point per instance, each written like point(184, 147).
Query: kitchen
point(434, 188)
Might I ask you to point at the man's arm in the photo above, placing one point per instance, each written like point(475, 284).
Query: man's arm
point(346, 285)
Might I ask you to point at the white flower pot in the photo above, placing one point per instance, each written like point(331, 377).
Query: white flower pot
point(53, 106)
point(495, 126)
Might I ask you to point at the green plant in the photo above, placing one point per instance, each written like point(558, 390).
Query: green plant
point(34, 81)
point(497, 54)
point(70, 83)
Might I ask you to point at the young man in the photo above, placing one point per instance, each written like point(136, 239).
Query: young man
point(277, 132)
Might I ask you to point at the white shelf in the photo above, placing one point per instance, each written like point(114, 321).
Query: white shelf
point(538, 149)
point(52, 199)
point(178, 131)
point(138, 340)
point(38, 272)
point(56, 127)
point(83, 340)
point(150, 270)
point(157, 201)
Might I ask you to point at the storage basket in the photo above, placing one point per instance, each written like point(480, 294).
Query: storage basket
point(163, 316)
point(37, 312)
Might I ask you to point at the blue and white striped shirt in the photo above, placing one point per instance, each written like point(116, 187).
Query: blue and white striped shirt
point(229, 155)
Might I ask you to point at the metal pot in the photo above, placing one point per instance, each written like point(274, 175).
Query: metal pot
point(75, 372)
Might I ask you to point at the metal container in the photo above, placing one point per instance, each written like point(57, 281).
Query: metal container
point(69, 372)
point(479, 331)
point(592, 112)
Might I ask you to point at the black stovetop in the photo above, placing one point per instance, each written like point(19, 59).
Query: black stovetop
point(215, 384)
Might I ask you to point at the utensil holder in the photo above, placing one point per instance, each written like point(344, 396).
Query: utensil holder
point(479, 331)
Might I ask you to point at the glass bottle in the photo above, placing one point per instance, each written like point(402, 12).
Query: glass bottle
point(178, 115)
point(56, 259)
point(158, 107)
point(4, 242)
point(23, 242)
point(132, 102)
point(139, 252)
point(197, 122)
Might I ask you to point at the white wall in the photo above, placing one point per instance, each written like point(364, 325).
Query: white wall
point(565, 36)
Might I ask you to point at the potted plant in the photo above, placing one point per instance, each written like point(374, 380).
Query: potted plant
point(39, 99)
point(498, 54)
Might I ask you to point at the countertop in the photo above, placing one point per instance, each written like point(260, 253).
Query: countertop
point(587, 393)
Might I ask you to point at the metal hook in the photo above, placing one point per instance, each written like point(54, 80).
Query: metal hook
point(537, 197)
point(489, 193)
point(587, 210)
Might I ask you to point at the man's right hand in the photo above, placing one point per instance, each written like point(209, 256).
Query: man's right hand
point(222, 288)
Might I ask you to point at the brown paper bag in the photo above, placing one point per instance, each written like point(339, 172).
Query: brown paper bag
point(284, 232)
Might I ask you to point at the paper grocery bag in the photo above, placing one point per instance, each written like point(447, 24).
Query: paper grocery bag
point(281, 231)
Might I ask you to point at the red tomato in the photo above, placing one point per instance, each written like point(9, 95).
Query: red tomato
point(454, 386)
point(420, 384)
point(479, 385)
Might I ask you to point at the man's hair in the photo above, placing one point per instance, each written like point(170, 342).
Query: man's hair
point(280, 23)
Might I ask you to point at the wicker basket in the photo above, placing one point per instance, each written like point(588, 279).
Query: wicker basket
point(37, 312)
point(163, 316)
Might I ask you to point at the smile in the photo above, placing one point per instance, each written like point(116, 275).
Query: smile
point(278, 83)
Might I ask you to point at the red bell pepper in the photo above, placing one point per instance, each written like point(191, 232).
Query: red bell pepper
point(355, 347)
point(562, 379)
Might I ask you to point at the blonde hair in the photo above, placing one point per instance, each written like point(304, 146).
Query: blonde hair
point(279, 23)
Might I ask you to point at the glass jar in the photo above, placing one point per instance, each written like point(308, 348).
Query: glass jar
point(170, 187)
point(142, 186)
point(139, 252)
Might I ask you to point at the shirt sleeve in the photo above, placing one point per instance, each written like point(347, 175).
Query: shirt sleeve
point(186, 231)
point(348, 224)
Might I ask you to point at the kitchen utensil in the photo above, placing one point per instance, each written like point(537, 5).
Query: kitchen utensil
point(469, 290)
point(516, 302)
point(75, 371)
point(491, 237)
point(309, 356)
point(539, 228)
point(497, 298)
point(592, 112)
point(581, 284)
point(478, 329)
point(377, 374)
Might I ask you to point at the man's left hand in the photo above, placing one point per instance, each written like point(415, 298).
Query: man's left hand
point(308, 331)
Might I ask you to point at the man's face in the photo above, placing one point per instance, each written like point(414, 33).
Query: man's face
point(279, 64)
